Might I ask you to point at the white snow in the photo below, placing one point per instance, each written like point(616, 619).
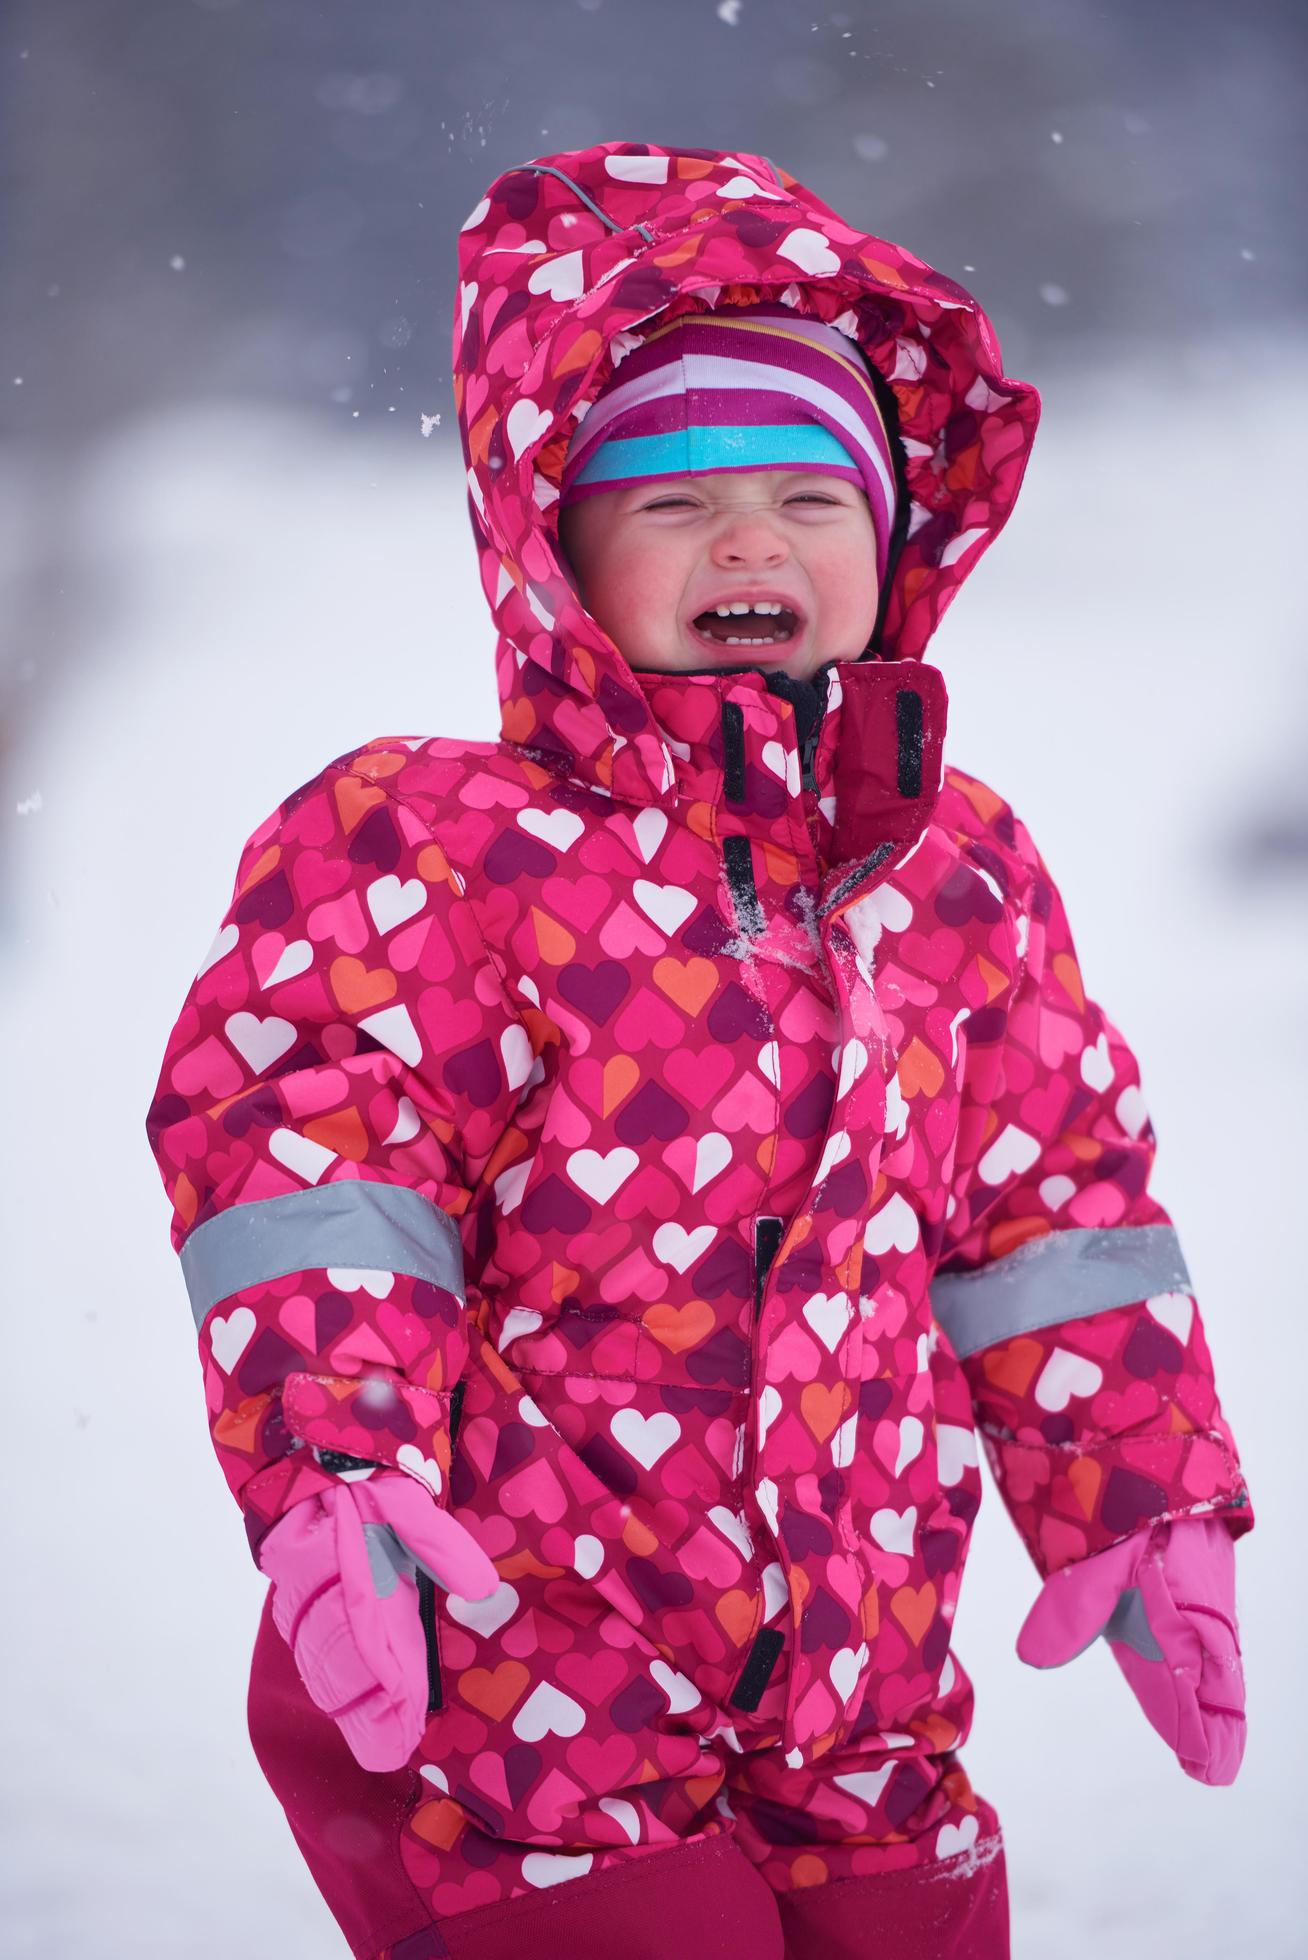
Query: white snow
point(247, 595)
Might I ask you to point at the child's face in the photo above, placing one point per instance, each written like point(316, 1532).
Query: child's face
point(654, 561)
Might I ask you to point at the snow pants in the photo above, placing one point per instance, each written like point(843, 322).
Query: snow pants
point(705, 1897)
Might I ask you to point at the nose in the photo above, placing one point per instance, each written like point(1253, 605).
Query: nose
point(746, 540)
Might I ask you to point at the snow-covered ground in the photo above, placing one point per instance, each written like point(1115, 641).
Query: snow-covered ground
point(244, 595)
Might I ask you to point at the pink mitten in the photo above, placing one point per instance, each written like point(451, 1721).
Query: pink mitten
point(1164, 1599)
point(345, 1600)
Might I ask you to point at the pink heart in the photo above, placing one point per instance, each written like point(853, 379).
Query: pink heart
point(625, 932)
point(209, 1067)
point(792, 1351)
point(342, 920)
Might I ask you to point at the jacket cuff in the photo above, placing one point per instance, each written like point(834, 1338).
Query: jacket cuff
point(1072, 1500)
point(380, 1418)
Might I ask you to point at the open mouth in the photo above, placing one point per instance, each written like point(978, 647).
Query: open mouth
point(757, 623)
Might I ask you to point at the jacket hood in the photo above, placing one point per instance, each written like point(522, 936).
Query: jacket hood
point(563, 266)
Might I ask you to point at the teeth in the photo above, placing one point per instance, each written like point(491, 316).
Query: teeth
point(734, 640)
point(739, 607)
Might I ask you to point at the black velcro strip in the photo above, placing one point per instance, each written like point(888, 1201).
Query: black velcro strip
point(740, 879)
point(733, 752)
point(908, 717)
point(427, 1614)
point(748, 1691)
point(767, 1237)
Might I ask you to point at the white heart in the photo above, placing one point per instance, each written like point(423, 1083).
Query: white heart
point(732, 1526)
point(650, 828)
point(668, 905)
point(842, 1443)
point(391, 902)
point(836, 1151)
point(295, 959)
point(893, 1530)
point(745, 187)
point(681, 1693)
point(846, 1667)
point(435, 1774)
point(517, 1322)
point(676, 1247)
point(587, 1555)
point(406, 1123)
point(1097, 1064)
point(829, 1316)
point(963, 542)
point(599, 1177)
point(784, 764)
point(625, 1815)
point(306, 1159)
point(951, 1838)
point(647, 1438)
point(1175, 1312)
point(475, 216)
point(229, 1338)
point(518, 1056)
point(1012, 1151)
point(361, 1279)
point(769, 1408)
point(766, 1494)
point(393, 1028)
point(955, 1451)
point(560, 277)
point(712, 1154)
point(548, 1711)
point(1131, 1111)
point(638, 170)
point(883, 910)
point(1055, 1192)
point(484, 1616)
point(259, 1043)
point(866, 1784)
point(525, 423)
point(558, 828)
point(896, 1109)
point(1065, 1375)
point(809, 250)
point(769, 1063)
point(410, 1458)
point(467, 294)
point(545, 1868)
point(853, 1061)
point(911, 1437)
point(226, 939)
point(896, 1224)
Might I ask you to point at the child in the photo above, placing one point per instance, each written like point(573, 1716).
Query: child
point(618, 1168)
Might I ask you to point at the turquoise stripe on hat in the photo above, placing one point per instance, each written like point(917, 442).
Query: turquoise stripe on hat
point(711, 446)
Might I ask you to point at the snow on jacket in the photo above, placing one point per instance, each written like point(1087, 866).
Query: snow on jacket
point(671, 1134)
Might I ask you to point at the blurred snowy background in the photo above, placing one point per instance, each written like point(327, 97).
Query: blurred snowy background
point(227, 553)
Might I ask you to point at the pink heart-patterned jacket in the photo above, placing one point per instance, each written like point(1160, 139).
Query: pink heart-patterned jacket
point(675, 1130)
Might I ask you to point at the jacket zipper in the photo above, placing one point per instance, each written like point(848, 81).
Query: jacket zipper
point(427, 1586)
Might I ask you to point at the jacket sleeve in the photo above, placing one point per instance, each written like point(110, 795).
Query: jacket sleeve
point(1060, 1283)
point(333, 1109)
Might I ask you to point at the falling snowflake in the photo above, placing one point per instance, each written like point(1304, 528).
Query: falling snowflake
point(729, 11)
point(1054, 295)
point(177, 262)
point(30, 803)
point(429, 422)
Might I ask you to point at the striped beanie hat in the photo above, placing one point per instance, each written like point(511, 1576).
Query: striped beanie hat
point(743, 388)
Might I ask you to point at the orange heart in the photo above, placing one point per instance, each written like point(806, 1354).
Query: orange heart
point(638, 1538)
point(735, 1612)
point(355, 988)
point(1068, 975)
point(267, 861)
point(620, 1077)
point(1085, 1477)
point(494, 1691)
point(824, 1408)
point(519, 720)
point(678, 1328)
point(914, 1608)
point(579, 355)
point(1012, 1366)
point(384, 763)
point(341, 1132)
point(689, 982)
point(441, 1823)
point(554, 942)
point(994, 979)
point(920, 1072)
point(354, 800)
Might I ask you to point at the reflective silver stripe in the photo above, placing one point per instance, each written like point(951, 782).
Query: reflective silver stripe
point(1059, 1276)
point(378, 1227)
